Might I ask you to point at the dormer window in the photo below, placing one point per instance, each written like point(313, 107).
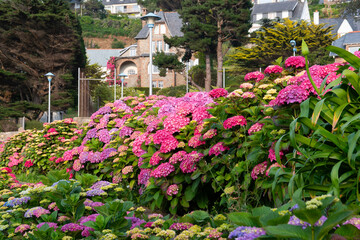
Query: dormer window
point(132, 51)
point(259, 16)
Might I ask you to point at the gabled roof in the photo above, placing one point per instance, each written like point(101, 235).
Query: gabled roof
point(275, 7)
point(334, 22)
point(126, 49)
point(354, 23)
point(111, 2)
point(347, 39)
point(101, 56)
point(171, 19)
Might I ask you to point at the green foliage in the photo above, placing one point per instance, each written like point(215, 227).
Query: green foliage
point(273, 42)
point(94, 8)
point(177, 91)
point(167, 61)
point(117, 44)
point(33, 125)
point(112, 25)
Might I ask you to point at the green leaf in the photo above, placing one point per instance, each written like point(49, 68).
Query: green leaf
point(200, 216)
point(332, 221)
point(288, 231)
point(347, 56)
point(352, 141)
point(353, 79)
point(242, 219)
point(308, 215)
point(189, 193)
point(348, 230)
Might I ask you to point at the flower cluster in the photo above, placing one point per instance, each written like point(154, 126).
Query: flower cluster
point(247, 233)
point(234, 121)
point(218, 92)
point(257, 76)
point(271, 69)
point(295, 62)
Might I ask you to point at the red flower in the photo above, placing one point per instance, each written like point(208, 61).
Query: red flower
point(28, 163)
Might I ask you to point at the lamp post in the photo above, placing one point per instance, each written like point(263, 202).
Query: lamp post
point(150, 18)
point(49, 76)
point(122, 78)
point(293, 44)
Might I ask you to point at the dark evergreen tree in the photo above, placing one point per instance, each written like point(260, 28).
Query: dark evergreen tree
point(36, 37)
point(94, 8)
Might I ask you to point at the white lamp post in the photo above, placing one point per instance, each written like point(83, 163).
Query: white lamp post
point(49, 76)
point(122, 78)
point(150, 18)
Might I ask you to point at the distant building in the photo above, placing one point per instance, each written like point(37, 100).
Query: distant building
point(272, 9)
point(101, 56)
point(130, 7)
point(349, 42)
point(134, 60)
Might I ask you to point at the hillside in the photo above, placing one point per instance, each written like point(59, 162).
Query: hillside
point(105, 42)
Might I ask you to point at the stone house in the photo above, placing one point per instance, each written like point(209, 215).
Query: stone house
point(134, 60)
point(272, 9)
point(130, 7)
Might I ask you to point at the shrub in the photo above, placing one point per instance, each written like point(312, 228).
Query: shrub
point(33, 124)
point(117, 44)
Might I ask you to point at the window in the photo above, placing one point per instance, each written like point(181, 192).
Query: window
point(285, 14)
point(132, 51)
point(131, 72)
point(258, 16)
point(272, 15)
point(162, 29)
point(160, 84)
point(153, 47)
point(154, 84)
point(353, 49)
point(156, 30)
point(125, 8)
point(166, 47)
point(155, 69)
point(159, 46)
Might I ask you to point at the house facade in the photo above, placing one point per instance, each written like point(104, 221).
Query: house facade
point(134, 60)
point(130, 7)
point(272, 9)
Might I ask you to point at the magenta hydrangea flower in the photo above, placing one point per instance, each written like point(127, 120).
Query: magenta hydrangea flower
point(172, 190)
point(104, 135)
point(273, 69)
point(258, 169)
point(357, 53)
point(272, 155)
point(163, 170)
point(218, 148)
point(51, 225)
point(181, 226)
point(234, 121)
point(144, 176)
point(36, 211)
point(257, 76)
point(290, 94)
point(218, 92)
point(22, 228)
point(255, 128)
point(177, 157)
point(201, 113)
point(169, 144)
point(155, 158)
point(272, 166)
point(295, 62)
point(188, 165)
point(72, 227)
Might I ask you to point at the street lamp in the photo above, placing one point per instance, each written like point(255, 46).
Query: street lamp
point(122, 78)
point(293, 44)
point(150, 18)
point(49, 76)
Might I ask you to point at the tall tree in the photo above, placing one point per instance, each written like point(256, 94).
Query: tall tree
point(94, 8)
point(165, 5)
point(36, 37)
point(273, 42)
point(232, 22)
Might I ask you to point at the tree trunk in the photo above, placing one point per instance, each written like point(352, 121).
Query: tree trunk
point(195, 85)
point(208, 73)
point(219, 53)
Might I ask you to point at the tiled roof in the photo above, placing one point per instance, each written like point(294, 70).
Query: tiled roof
point(101, 56)
point(173, 21)
point(334, 22)
point(274, 7)
point(111, 2)
point(349, 38)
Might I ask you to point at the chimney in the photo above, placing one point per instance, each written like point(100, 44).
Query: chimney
point(143, 13)
point(316, 17)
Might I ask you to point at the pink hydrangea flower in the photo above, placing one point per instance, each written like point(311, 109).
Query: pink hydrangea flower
point(172, 190)
point(273, 165)
point(180, 226)
point(163, 170)
point(195, 141)
point(255, 128)
point(257, 76)
point(248, 95)
point(22, 228)
point(155, 158)
point(258, 169)
point(77, 165)
point(28, 163)
point(143, 177)
point(295, 62)
point(174, 123)
point(357, 53)
point(218, 92)
point(127, 169)
point(177, 157)
point(72, 227)
point(273, 69)
point(246, 85)
point(234, 121)
point(51, 225)
point(218, 148)
point(210, 134)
